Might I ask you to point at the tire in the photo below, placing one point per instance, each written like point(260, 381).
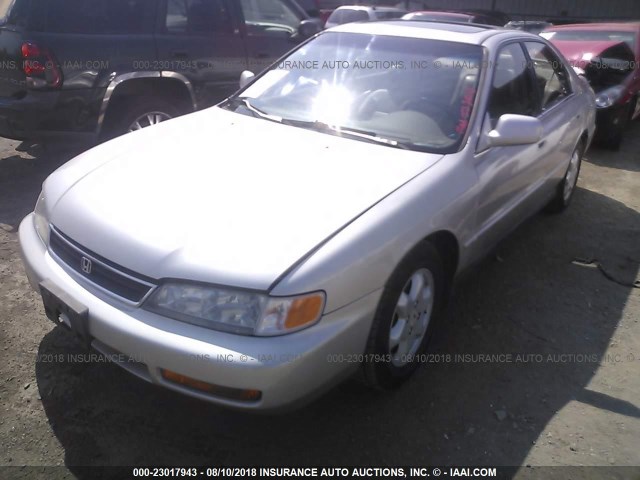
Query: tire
point(141, 111)
point(567, 187)
point(385, 365)
point(615, 135)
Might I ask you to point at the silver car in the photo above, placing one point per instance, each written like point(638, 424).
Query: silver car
point(310, 226)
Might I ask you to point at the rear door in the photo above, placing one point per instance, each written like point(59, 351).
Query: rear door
point(559, 111)
point(201, 40)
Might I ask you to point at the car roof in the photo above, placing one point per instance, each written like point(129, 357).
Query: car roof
point(623, 26)
point(470, 33)
point(529, 22)
point(369, 8)
point(443, 13)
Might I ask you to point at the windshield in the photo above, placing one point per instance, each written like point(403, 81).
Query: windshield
point(593, 35)
point(417, 93)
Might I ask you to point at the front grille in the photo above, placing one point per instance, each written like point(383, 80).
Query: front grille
point(98, 270)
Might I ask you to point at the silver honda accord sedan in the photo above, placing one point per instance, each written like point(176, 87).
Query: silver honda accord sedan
point(311, 225)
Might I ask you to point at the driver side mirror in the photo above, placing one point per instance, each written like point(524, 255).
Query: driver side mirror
point(515, 130)
point(246, 77)
point(309, 27)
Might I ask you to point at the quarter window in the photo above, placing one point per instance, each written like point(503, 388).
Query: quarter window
point(552, 80)
point(512, 89)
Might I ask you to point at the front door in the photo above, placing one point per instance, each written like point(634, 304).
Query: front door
point(201, 40)
point(507, 175)
point(271, 28)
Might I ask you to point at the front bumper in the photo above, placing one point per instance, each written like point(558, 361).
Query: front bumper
point(287, 370)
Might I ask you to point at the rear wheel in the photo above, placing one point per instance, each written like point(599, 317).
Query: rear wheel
point(405, 318)
point(139, 113)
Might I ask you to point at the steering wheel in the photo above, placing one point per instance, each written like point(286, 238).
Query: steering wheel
point(438, 112)
point(373, 101)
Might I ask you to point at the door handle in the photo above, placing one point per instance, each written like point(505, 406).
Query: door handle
point(542, 144)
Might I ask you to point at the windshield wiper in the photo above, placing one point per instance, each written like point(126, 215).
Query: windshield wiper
point(244, 101)
point(351, 132)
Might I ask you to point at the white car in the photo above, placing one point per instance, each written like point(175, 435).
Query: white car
point(254, 253)
point(358, 13)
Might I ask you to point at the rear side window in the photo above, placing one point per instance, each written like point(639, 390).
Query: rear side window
point(198, 16)
point(512, 90)
point(388, 15)
point(348, 16)
point(274, 12)
point(95, 16)
point(552, 80)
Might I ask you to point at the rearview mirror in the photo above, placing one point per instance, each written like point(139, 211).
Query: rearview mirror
point(246, 77)
point(515, 130)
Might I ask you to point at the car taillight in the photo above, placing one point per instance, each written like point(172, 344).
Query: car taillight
point(40, 67)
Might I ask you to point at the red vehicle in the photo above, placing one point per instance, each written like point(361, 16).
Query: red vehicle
point(608, 55)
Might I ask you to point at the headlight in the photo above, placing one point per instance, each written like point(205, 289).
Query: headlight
point(608, 97)
point(236, 311)
point(41, 220)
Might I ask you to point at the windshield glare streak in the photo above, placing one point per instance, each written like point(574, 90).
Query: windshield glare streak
point(406, 90)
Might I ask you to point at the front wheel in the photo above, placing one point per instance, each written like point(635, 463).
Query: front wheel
point(404, 319)
point(566, 188)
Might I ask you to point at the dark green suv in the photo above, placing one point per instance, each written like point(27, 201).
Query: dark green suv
point(94, 70)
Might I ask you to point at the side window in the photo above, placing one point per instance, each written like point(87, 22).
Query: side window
point(388, 15)
point(512, 89)
point(347, 15)
point(354, 16)
point(97, 16)
point(552, 80)
point(198, 16)
point(270, 14)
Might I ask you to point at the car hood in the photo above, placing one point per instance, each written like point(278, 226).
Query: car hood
point(221, 197)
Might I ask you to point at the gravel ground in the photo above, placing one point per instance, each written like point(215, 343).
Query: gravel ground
point(569, 396)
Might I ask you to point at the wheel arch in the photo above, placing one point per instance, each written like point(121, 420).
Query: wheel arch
point(133, 84)
point(448, 248)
